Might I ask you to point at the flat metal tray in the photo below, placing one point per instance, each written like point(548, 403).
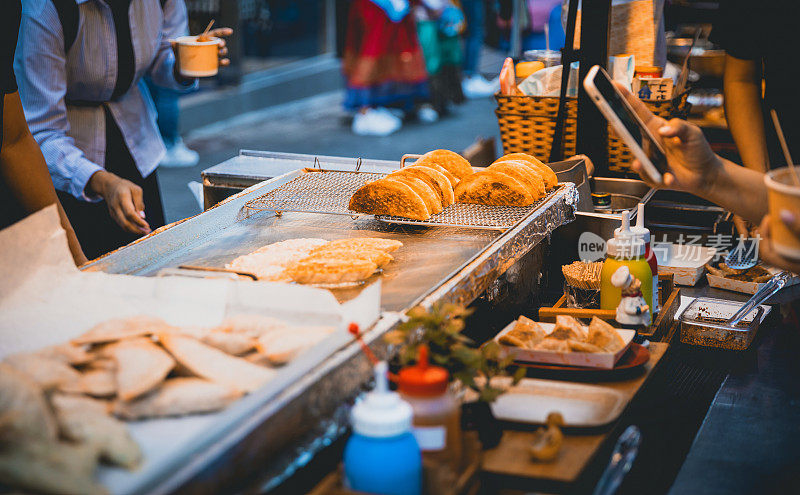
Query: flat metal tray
point(329, 191)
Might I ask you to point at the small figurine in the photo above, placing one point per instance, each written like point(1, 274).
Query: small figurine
point(633, 309)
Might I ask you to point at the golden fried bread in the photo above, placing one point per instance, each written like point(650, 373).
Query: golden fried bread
point(426, 192)
point(605, 336)
point(550, 179)
point(430, 164)
point(441, 182)
point(330, 270)
point(432, 184)
point(490, 187)
point(518, 170)
point(450, 160)
point(568, 328)
point(387, 245)
point(389, 197)
point(552, 344)
point(376, 256)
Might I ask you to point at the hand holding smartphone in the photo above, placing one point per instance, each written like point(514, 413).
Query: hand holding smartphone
point(634, 133)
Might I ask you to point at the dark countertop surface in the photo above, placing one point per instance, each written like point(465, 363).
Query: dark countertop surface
point(749, 441)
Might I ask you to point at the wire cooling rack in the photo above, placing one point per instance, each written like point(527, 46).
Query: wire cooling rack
point(330, 191)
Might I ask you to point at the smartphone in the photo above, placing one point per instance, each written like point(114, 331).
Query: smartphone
point(616, 109)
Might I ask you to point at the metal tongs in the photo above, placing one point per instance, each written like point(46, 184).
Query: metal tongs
point(774, 284)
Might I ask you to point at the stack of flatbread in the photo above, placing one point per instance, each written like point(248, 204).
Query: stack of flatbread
point(513, 180)
point(568, 335)
point(61, 407)
point(317, 261)
point(415, 192)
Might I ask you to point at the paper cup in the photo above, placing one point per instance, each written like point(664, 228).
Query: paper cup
point(198, 58)
point(783, 194)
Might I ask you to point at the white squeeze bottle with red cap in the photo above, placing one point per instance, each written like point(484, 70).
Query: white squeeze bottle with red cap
point(641, 232)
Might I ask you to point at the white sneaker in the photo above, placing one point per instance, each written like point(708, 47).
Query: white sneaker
point(427, 113)
point(179, 156)
point(375, 122)
point(476, 86)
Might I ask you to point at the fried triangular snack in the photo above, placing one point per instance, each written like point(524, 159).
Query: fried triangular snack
point(97, 382)
point(178, 397)
point(24, 412)
point(141, 366)
point(86, 420)
point(281, 347)
point(388, 197)
point(549, 177)
point(452, 179)
point(440, 182)
point(490, 187)
point(426, 192)
point(531, 178)
point(122, 328)
point(229, 342)
point(449, 160)
point(47, 373)
point(605, 336)
point(568, 328)
point(213, 364)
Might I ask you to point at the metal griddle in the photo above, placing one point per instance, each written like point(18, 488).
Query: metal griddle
point(435, 264)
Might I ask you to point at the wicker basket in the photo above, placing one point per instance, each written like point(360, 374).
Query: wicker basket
point(527, 125)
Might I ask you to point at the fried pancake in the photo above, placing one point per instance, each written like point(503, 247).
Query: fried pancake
point(376, 256)
point(436, 180)
point(490, 187)
point(450, 160)
point(141, 366)
point(212, 364)
point(330, 270)
point(452, 179)
point(518, 170)
point(179, 396)
point(386, 245)
point(389, 197)
point(426, 192)
point(550, 179)
point(604, 335)
point(95, 382)
point(280, 348)
point(551, 344)
point(568, 328)
point(122, 328)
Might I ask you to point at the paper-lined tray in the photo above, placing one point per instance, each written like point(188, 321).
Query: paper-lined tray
point(45, 300)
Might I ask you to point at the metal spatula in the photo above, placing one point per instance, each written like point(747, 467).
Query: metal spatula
point(743, 256)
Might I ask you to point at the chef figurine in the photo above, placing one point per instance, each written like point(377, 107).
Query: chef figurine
point(633, 310)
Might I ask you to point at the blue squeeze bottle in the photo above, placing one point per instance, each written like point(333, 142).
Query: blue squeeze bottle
point(382, 456)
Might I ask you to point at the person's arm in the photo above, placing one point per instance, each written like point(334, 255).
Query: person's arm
point(40, 66)
point(695, 168)
point(742, 89)
point(23, 169)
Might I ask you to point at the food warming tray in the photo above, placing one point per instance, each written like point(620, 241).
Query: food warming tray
point(435, 264)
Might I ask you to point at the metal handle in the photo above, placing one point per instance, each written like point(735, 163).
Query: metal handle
point(621, 461)
point(774, 284)
point(405, 157)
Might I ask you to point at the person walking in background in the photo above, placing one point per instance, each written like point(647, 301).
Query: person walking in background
point(474, 85)
point(439, 23)
point(383, 65)
point(79, 65)
point(167, 118)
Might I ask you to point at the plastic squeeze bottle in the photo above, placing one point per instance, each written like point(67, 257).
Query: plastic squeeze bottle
point(382, 456)
point(437, 424)
point(624, 249)
point(642, 233)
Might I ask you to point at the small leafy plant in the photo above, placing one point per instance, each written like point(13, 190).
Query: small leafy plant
point(440, 328)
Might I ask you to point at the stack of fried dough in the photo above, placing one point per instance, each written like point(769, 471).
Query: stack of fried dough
point(516, 179)
point(61, 407)
point(568, 335)
point(417, 191)
point(317, 261)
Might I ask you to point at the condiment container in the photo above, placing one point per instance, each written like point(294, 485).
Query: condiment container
point(382, 456)
point(624, 249)
point(643, 233)
point(648, 71)
point(198, 58)
point(703, 323)
point(437, 424)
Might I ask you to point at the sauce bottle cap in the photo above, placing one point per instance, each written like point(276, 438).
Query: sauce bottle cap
point(423, 379)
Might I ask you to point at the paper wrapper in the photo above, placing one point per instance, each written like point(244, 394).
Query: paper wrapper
point(45, 300)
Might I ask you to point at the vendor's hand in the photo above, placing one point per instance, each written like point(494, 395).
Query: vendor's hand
point(765, 250)
point(222, 50)
point(692, 163)
point(124, 200)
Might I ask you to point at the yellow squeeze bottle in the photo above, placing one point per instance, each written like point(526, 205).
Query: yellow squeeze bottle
point(628, 250)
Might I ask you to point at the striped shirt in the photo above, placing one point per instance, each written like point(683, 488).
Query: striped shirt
point(51, 83)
